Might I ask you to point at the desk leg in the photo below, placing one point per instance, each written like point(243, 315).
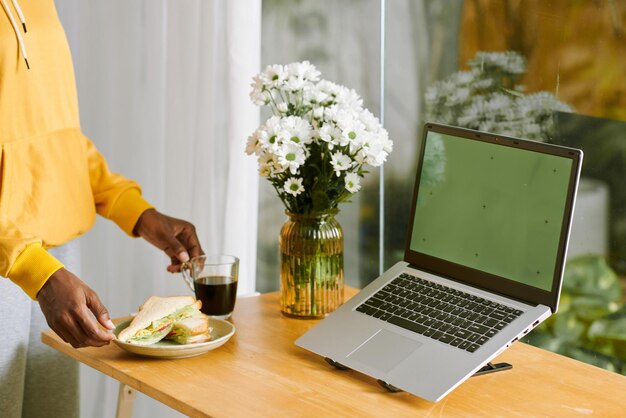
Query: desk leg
point(125, 398)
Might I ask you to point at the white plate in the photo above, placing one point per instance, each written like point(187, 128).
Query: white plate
point(221, 331)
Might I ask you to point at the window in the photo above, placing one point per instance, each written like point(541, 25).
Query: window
point(574, 54)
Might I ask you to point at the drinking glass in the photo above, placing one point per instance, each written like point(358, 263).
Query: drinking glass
point(213, 279)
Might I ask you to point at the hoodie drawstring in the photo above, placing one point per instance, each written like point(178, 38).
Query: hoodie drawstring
point(16, 29)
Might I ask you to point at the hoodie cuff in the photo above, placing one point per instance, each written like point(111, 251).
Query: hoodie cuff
point(32, 269)
point(127, 210)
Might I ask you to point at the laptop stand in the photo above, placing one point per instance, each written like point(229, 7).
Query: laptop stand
point(492, 368)
point(486, 369)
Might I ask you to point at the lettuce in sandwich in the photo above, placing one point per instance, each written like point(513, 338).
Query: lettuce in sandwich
point(157, 317)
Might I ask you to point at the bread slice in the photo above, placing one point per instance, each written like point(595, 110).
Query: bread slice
point(190, 330)
point(155, 315)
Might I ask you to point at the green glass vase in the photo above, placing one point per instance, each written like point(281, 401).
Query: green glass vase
point(311, 265)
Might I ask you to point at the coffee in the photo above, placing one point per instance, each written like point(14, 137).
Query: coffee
point(217, 294)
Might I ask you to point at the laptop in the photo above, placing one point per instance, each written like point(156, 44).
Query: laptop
point(485, 253)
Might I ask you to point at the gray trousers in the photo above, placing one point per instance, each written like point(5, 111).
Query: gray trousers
point(35, 380)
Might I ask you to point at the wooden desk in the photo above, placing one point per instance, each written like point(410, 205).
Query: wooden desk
point(260, 372)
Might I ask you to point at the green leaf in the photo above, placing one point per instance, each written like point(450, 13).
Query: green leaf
point(545, 340)
point(611, 330)
point(591, 276)
point(567, 327)
point(589, 308)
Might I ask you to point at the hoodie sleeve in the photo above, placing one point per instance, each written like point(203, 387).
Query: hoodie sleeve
point(23, 256)
point(116, 198)
point(24, 260)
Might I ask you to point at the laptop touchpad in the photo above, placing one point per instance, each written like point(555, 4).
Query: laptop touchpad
point(384, 350)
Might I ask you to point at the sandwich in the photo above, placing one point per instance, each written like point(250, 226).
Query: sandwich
point(190, 330)
point(157, 317)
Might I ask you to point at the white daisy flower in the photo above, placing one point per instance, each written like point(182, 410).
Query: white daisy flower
point(330, 134)
point(274, 75)
point(291, 156)
point(352, 132)
point(303, 70)
point(370, 121)
point(293, 186)
point(296, 129)
point(340, 162)
point(270, 133)
point(353, 182)
point(349, 98)
point(253, 146)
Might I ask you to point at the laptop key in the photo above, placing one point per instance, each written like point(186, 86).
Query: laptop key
point(457, 321)
point(472, 316)
point(452, 330)
point(433, 303)
point(411, 326)
point(462, 333)
point(509, 318)
point(427, 310)
point(428, 322)
point(464, 314)
point(490, 322)
point(401, 312)
point(436, 335)
point(456, 311)
point(437, 324)
point(497, 315)
point(418, 297)
point(446, 338)
point(429, 332)
point(385, 316)
point(500, 325)
point(491, 333)
point(464, 345)
point(465, 324)
point(472, 347)
point(448, 308)
point(445, 327)
point(479, 329)
point(375, 302)
point(434, 314)
point(456, 342)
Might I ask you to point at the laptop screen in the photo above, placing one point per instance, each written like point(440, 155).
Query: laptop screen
point(494, 205)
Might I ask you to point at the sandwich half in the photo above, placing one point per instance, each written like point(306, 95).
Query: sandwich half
point(156, 318)
point(193, 329)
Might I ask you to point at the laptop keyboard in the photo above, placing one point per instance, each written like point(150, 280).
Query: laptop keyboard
point(444, 314)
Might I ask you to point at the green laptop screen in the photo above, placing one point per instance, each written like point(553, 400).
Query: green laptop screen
point(491, 207)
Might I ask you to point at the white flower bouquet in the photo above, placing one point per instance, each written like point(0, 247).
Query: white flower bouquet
point(488, 97)
point(315, 145)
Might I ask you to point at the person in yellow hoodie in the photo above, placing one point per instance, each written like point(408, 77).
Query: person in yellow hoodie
point(53, 181)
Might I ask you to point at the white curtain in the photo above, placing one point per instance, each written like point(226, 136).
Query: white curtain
point(163, 92)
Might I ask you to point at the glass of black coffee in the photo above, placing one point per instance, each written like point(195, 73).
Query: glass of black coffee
point(213, 278)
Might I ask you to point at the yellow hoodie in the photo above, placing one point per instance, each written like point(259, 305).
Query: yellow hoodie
point(53, 180)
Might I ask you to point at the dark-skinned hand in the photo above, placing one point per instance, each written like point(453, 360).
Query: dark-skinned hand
point(177, 238)
point(74, 311)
